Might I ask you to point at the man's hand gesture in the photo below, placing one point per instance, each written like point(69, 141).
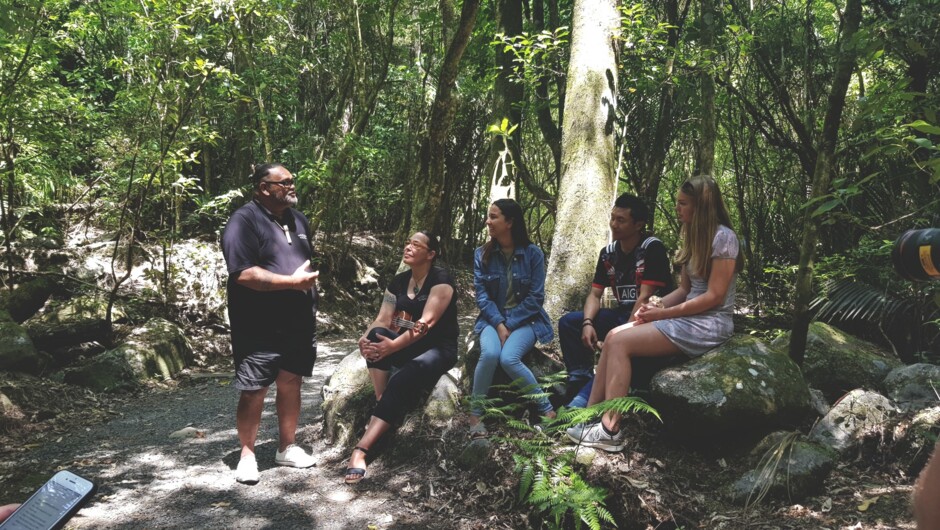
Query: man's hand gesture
point(305, 277)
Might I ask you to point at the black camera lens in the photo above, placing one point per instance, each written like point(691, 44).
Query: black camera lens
point(916, 254)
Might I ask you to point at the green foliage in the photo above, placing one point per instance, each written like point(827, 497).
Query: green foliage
point(554, 488)
point(535, 55)
point(861, 290)
point(548, 479)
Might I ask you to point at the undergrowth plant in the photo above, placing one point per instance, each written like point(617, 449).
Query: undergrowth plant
point(549, 481)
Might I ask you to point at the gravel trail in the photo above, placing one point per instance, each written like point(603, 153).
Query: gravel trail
point(149, 480)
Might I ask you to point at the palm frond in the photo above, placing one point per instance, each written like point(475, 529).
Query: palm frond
point(851, 299)
point(768, 467)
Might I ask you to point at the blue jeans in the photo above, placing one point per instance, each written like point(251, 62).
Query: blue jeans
point(509, 356)
point(581, 400)
point(579, 359)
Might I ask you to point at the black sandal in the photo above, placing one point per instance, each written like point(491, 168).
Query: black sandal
point(355, 474)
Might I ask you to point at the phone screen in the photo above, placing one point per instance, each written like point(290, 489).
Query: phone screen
point(47, 507)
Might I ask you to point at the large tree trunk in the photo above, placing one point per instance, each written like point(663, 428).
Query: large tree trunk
point(822, 176)
point(588, 155)
point(431, 185)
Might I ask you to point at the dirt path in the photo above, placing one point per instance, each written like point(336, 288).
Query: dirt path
point(149, 480)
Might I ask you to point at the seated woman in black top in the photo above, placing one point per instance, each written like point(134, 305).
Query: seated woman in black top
point(416, 331)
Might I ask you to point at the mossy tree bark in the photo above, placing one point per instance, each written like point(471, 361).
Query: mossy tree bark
point(588, 154)
point(429, 203)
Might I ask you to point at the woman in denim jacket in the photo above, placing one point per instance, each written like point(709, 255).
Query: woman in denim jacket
point(509, 277)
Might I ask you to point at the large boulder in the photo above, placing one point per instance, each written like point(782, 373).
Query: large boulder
point(349, 398)
point(108, 372)
point(837, 362)
point(915, 386)
point(860, 414)
point(17, 351)
point(740, 390)
point(28, 298)
point(914, 440)
point(72, 322)
point(158, 348)
point(786, 467)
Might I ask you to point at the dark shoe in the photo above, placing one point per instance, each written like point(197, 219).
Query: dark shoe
point(355, 474)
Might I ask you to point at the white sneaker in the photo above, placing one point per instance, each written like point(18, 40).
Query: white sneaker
point(247, 470)
point(294, 456)
point(577, 431)
point(595, 436)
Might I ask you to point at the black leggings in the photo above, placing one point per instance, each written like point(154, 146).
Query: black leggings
point(420, 366)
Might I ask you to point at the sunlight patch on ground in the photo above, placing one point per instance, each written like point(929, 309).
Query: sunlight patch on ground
point(341, 495)
point(155, 460)
point(121, 502)
point(208, 478)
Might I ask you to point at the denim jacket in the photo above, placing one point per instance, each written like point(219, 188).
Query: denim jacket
point(528, 284)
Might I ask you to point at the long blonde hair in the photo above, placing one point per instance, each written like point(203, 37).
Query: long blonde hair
point(708, 211)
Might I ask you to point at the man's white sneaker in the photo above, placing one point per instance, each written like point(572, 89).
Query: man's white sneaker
point(595, 436)
point(247, 470)
point(294, 456)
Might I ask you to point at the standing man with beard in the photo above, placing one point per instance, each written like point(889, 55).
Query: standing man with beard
point(272, 306)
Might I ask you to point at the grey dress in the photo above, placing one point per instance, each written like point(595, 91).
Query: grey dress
point(696, 334)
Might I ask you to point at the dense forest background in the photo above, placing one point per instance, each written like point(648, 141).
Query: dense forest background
point(819, 120)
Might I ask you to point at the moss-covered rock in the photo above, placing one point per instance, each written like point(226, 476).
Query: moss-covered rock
point(158, 348)
point(108, 372)
point(837, 362)
point(17, 351)
point(738, 391)
point(789, 468)
point(28, 298)
point(443, 402)
point(858, 415)
point(72, 322)
point(348, 399)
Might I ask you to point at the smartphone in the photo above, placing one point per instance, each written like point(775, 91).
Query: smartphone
point(53, 504)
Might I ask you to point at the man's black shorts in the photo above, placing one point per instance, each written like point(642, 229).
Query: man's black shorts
point(258, 362)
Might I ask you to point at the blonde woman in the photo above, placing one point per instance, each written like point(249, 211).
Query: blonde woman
point(694, 318)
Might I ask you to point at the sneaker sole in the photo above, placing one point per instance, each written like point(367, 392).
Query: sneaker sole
point(294, 464)
point(247, 482)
